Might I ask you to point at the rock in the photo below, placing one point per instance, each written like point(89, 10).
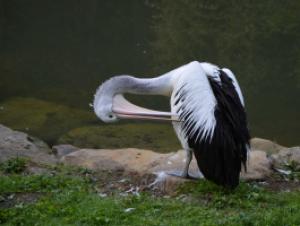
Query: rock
point(63, 149)
point(37, 170)
point(265, 145)
point(259, 166)
point(136, 160)
point(19, 144)
point(129, 159)
point(287, 158)
point(174, 163)
point(149, 162)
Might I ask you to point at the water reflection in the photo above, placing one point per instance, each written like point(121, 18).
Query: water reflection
point(61, 52)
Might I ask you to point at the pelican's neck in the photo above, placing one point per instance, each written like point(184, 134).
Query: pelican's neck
point(129, 84)
point(147, 86)
point(162, 85)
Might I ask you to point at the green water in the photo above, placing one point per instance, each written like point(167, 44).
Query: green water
point(60, 51)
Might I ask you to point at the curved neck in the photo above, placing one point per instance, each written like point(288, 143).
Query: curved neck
point(161, 85)
point(148, 86)
point(129, 84)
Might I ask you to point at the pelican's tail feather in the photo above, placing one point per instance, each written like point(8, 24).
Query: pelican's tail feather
point(220, 158)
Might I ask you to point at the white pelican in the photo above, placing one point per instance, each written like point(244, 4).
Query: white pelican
point(207, 112)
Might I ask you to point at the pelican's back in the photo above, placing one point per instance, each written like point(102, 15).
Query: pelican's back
point(220, 159)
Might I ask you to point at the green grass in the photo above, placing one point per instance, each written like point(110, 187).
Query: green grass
point(68, 197)
point(14, 165)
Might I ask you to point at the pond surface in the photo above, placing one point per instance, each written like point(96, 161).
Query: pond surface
point(61, 51)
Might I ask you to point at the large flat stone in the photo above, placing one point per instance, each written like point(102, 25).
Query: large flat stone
point(146, 161)
point(129, 159)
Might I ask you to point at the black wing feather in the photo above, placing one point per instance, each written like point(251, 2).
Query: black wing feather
point(220, 157)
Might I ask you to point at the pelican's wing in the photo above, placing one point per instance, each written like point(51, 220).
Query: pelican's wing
point(194, 101)
point(214, 122)
point(235, 83)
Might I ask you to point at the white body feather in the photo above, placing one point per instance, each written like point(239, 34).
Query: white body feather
point(199, 100)
point(192, 80)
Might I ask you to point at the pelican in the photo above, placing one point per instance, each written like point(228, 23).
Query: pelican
point(207, 113)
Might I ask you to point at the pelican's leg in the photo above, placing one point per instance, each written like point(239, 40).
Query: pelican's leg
point(188, 151)
point(189, 157)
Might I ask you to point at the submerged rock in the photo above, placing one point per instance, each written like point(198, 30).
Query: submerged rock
point(19, 144)
point(41, 118)
point(157, 137)
point(265, 145)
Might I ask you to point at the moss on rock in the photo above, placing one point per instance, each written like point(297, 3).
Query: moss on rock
point(41, 118)
point(157, 137)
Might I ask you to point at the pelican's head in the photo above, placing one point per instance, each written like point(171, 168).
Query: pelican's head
point(103, 103)
point(106, 114)
point(103, 109)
